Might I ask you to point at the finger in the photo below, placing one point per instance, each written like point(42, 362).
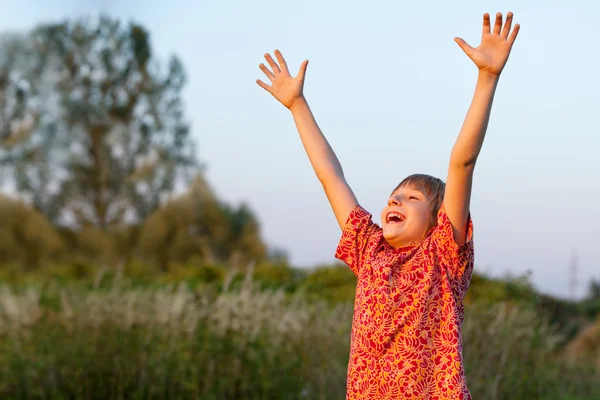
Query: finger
point(486, 23)
point(268, 73)
point(498, 24)
point(302, 71)
point(272, 63)
point(513, 34)
point(263, 85)
point(507, 25)
point(282, 62)
point(464, 46)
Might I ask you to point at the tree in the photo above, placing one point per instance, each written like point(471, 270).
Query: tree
point(26, 237)
point(198, 224)
point(594, 290)
point(94, 132)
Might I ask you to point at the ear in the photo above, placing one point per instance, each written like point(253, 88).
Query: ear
point(436, 204)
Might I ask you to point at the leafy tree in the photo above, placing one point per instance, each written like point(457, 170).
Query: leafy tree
point(26, 237)
point(92, 129)
point(198, 224)
point(594, 290)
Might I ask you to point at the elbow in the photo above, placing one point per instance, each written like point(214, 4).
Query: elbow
point(463, 161)
point(463, 164)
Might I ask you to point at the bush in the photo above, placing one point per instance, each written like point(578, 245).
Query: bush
point(27, 238)
point(175, 341)
point(335, 283)
point(170, 342)
point(271, 275)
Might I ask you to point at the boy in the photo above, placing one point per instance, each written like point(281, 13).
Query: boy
point(414, 271)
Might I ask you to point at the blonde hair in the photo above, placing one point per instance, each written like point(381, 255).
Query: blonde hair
point(433, 187)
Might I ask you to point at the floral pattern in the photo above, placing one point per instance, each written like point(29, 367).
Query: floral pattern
point(408, 311)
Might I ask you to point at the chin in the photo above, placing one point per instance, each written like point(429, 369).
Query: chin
point(392, 229)
point(397, 239)
point(391, 236)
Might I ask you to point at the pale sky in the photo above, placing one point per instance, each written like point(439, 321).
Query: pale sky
point(389, 88)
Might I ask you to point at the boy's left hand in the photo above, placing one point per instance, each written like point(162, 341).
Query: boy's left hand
point(491, 55)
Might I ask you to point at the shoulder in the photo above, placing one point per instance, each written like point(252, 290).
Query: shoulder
point(359, 236)
point(456, 260)
point(358, 217)
point(360, 224)
point(443, 235)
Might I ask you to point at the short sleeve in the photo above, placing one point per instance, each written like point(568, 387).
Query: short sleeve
point(359, 234)
point(458, 260)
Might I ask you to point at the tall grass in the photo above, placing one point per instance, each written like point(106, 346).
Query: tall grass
point(244, 343)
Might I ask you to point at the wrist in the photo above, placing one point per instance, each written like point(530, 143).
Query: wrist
point(488, 77)
point(299, 103)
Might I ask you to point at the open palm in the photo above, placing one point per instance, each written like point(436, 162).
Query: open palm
point(284, 87)
point(491, 55)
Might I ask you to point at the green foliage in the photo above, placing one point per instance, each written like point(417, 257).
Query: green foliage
point(95, 131)
point(335, 283)
point(196, 224)
point(26, 237)
point(174, 341)
point(511, 352)
point(278, 275)
point(513, 289)
point(590, 306)
point(167, 342)
point(193, 228)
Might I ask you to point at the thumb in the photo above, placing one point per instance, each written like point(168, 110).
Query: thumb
point(302, 71)
point(464, 46)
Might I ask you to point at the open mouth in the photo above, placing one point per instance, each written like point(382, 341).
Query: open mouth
point(394, 218)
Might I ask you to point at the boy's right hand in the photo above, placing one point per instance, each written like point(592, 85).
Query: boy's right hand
point(284, 88)
point(329, 171)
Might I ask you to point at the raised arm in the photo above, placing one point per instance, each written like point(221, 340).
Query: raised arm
point(490, 58)
point(288, 91)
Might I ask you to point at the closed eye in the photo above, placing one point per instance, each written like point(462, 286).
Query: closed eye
point(413, 198)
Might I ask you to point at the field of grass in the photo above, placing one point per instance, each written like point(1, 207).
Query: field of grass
point(121, 341)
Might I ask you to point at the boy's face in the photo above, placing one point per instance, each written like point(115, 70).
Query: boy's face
point(407, 217)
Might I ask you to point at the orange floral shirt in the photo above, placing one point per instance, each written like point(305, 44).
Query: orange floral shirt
point(408, 310)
